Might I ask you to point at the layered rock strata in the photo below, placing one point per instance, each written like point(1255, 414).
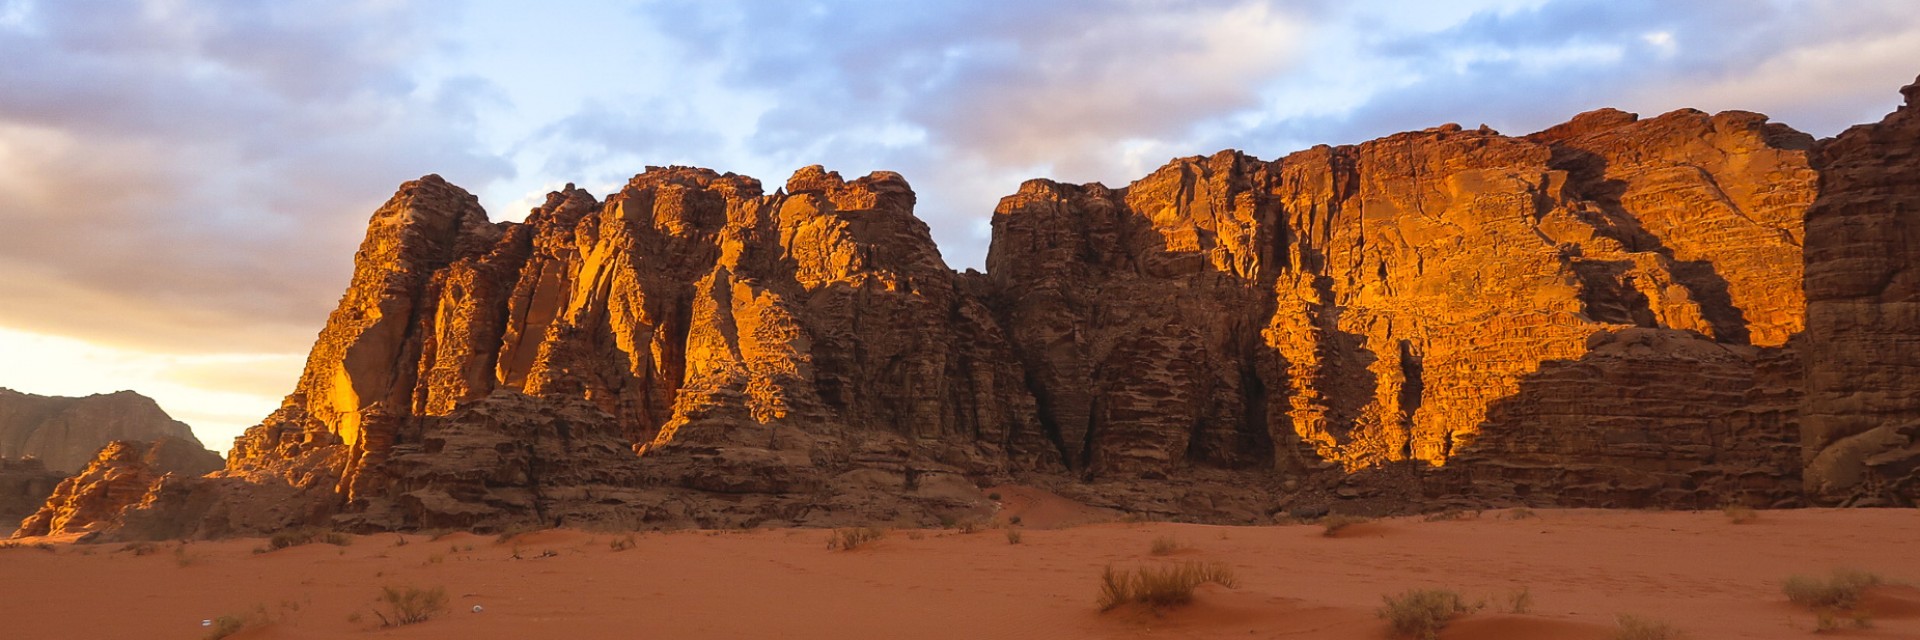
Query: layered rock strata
point(1861, 418)
point(1599, 314)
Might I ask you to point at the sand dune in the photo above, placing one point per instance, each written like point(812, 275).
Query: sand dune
point(1710, 577)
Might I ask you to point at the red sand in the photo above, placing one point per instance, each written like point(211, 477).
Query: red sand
point(1711, 578)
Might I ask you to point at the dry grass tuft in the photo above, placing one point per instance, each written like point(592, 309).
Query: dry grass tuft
point(1740, 514)
point(1841, 592)
point(854, 538)
point(409, 605)
point(1422, 613)
point(1331, 526)
point(1165, 545)
point(1521, 513)
point(1637, 628)
point(1013, 536)
point(310, 535)
point(1520, 601)
point(623, 543)
point(1162, 586)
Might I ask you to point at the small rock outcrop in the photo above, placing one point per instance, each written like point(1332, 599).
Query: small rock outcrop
point(121, 474)
point(64, 433)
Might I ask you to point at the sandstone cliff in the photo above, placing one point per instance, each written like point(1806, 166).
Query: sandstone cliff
point(1862, 413)
point(1599, 314)
point(64, 433)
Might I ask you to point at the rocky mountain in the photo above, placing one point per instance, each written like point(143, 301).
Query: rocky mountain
point(64, 433)
point(1609, 312)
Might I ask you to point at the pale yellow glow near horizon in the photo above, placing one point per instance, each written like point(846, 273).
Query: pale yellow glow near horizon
point(219, 394)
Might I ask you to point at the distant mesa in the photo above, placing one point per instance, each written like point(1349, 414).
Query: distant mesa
point(44, 439)
point(64, 433)
point(1684, 311)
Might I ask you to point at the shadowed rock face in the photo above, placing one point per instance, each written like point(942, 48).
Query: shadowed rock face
point(1862, 411)
point(64, 433)
point(1598, 314)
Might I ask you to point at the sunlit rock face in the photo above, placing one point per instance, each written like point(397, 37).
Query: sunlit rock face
point(1862, 412)
point(1606, 313)
point(1372, 302)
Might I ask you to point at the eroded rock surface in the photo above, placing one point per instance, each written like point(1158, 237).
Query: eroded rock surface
point(1599, 314)
point(1862, 413)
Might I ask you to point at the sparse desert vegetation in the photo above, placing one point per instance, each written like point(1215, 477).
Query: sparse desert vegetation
point(1160, 586)
point(1632, 627)
point(1164, 546)
point(852, 538)
point(1841, 591)
point(1332, 525)
point(306, 536)
point(1422, 613)
point(1835, 600)
point(399, 606)
point(1013, 536)
point(623, 543)
point(1740, 514)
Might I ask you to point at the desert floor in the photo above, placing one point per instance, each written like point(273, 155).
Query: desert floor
point(1710, 577)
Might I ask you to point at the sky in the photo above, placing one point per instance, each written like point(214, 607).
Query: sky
point(183, 184)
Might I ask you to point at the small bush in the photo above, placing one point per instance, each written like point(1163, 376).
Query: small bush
point(1013, 536)
point(1638, 628)
point(1422, 613)
point(970, 525)
point(1013, 520)
point(1333, 524)
point(298, 537)
point(1165, 545)
point(141, 548)
point(409, 605)
point(1162, 586)
point(1841, 592)
point(854, 538)
point(623, 543)
point(993, 496)
point(1520, 601)
point(1740, 514)
point(1521, 513)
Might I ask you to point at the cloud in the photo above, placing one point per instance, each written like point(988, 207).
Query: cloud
point(181, 174)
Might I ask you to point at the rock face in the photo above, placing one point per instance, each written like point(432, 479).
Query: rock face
point(1372, 302)
point(120, 475)
point(1600, 314)
point(64, 433)
point(1862, 410)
